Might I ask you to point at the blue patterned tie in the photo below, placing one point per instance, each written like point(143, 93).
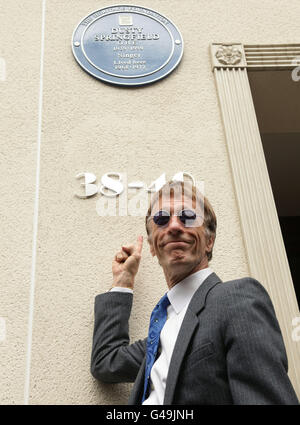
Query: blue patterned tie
point(157, 321)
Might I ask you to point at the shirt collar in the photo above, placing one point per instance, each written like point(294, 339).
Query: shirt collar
point(181, 294)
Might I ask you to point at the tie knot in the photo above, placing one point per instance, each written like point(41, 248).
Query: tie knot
point(164, 302)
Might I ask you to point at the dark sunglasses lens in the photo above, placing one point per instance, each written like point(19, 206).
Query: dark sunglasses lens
point(187, 215)
point(161, 218)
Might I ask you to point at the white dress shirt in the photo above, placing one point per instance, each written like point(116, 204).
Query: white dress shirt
point(180, 296)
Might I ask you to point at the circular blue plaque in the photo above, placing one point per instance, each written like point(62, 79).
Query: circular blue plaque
point(127, 45)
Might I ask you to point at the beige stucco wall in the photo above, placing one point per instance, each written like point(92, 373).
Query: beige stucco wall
point(20, 35)
point(172, 125)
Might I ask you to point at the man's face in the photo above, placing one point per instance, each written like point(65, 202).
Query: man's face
point(175, 245)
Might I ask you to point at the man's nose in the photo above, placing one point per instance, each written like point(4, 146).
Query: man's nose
point(175, 225)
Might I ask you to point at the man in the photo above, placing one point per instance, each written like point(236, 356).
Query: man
point(219, 343)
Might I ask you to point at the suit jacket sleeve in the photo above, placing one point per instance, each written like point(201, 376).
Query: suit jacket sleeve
point(113, 359)
point(256, 357)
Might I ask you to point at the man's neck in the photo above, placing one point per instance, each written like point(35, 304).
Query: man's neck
point(173, 276)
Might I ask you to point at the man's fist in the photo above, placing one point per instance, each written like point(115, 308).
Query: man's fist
point(126, 264)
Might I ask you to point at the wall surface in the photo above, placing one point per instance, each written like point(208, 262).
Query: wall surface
point(57, 121)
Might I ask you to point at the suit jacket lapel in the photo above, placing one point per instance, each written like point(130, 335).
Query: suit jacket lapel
point(189, 324)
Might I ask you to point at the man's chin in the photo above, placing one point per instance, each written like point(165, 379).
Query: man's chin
point(177, 258)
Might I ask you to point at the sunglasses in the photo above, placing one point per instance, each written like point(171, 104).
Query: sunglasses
point(186, 216)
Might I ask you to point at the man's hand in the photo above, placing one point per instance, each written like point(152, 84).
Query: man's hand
point(126, 264)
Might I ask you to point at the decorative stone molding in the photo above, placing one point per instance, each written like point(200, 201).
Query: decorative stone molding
point(266, 56)
point(228, 55)
point(259, 220)
point(272, 56)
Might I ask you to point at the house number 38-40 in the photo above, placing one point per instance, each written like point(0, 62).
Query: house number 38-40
point(112, 184)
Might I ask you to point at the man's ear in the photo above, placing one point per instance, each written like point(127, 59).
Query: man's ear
point(152, 250)
point(210, 243)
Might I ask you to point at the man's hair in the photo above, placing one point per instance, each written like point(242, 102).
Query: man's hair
point(188, 190)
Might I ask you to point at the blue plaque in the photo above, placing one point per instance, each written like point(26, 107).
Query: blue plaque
point(127, 45)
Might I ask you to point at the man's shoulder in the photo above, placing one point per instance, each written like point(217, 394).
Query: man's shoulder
point(245, 287)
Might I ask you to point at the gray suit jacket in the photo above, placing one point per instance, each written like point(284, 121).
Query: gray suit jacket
point(229, 349)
